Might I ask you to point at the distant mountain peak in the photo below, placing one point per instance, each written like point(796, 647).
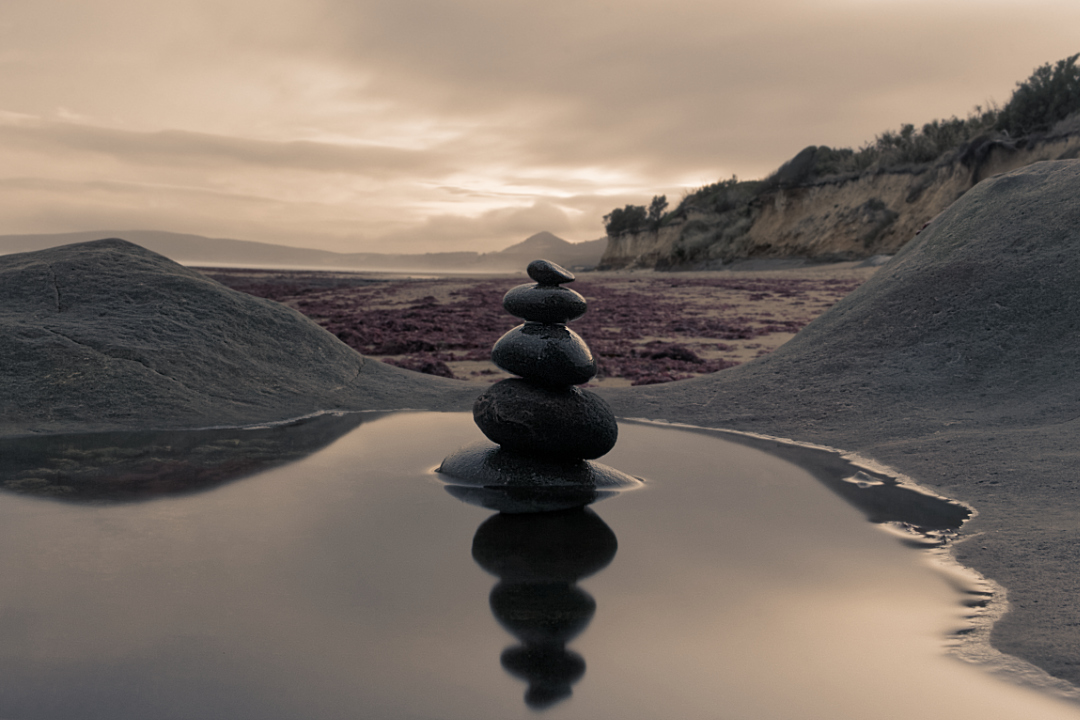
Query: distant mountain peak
point(540, 242)
point(544, 236)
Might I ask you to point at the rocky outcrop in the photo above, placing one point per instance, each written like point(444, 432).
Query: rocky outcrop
point(837, 218)
point(955, 364)
point(106, 335)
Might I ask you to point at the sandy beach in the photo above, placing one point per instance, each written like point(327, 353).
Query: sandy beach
point(644, 327)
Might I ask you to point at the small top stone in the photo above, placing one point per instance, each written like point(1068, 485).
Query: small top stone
point(546, 272)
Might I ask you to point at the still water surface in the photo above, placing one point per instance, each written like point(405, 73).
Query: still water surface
point(350, 584)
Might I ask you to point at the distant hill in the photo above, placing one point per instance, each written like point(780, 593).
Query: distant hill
point(550, 247)
point(198, 250)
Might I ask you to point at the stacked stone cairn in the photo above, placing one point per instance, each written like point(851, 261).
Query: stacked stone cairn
point(547, 429)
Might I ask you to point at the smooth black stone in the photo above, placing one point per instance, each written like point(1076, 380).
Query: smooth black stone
point(551, 423)
point(484, 465)
point(485, 475)
point(552, 355)
point(544, 303)
point(546, 272)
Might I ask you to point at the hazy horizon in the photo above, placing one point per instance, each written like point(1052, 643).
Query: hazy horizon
point(234, 253)
point(128, 234)
point(420, 126)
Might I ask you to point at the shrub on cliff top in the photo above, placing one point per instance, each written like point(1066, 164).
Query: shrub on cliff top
point(656, 211)
point(719, 197)
point(629, 219)
point(909, 146)
point(1049, 99)
point(1051, 94)
point(634, 218)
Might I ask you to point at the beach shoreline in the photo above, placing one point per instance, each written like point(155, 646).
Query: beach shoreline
point(644, 327)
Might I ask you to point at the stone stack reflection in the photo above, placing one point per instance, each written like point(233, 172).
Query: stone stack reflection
point(540, 475)
point(539, 558)
point(546, 428)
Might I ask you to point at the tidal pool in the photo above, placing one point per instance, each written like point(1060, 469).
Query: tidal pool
point(349, 583)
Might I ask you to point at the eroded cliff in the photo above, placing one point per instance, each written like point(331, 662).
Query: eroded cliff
point(836, 218)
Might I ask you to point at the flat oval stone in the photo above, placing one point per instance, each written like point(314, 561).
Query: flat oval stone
point(485, 475)
point(546, 272)
point(547, 354)
point(551, 423)
point(544, 303)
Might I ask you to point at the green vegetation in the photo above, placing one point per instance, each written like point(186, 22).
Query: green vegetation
point(728, 202)
point(634, 218)
point(720, 197)
point(656, 211)
point(1050, 95)
point(909, 146)
point(630, 219)
point(1049, 98)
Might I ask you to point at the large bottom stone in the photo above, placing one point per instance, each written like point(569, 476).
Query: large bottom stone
point(491, 477)
point(562, 423)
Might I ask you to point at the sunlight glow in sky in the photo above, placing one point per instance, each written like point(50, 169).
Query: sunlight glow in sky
point(431, 125)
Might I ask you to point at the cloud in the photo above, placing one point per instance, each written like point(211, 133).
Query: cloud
point(30, 205)
point(655, 86)
point(184, 148)
point(467, 125)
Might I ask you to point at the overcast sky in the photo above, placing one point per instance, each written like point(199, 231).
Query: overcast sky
point(421, 125)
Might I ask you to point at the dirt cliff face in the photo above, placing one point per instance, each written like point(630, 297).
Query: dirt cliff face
point(838, 218)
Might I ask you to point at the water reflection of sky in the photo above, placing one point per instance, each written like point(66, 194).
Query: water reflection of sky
point(344, 585)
